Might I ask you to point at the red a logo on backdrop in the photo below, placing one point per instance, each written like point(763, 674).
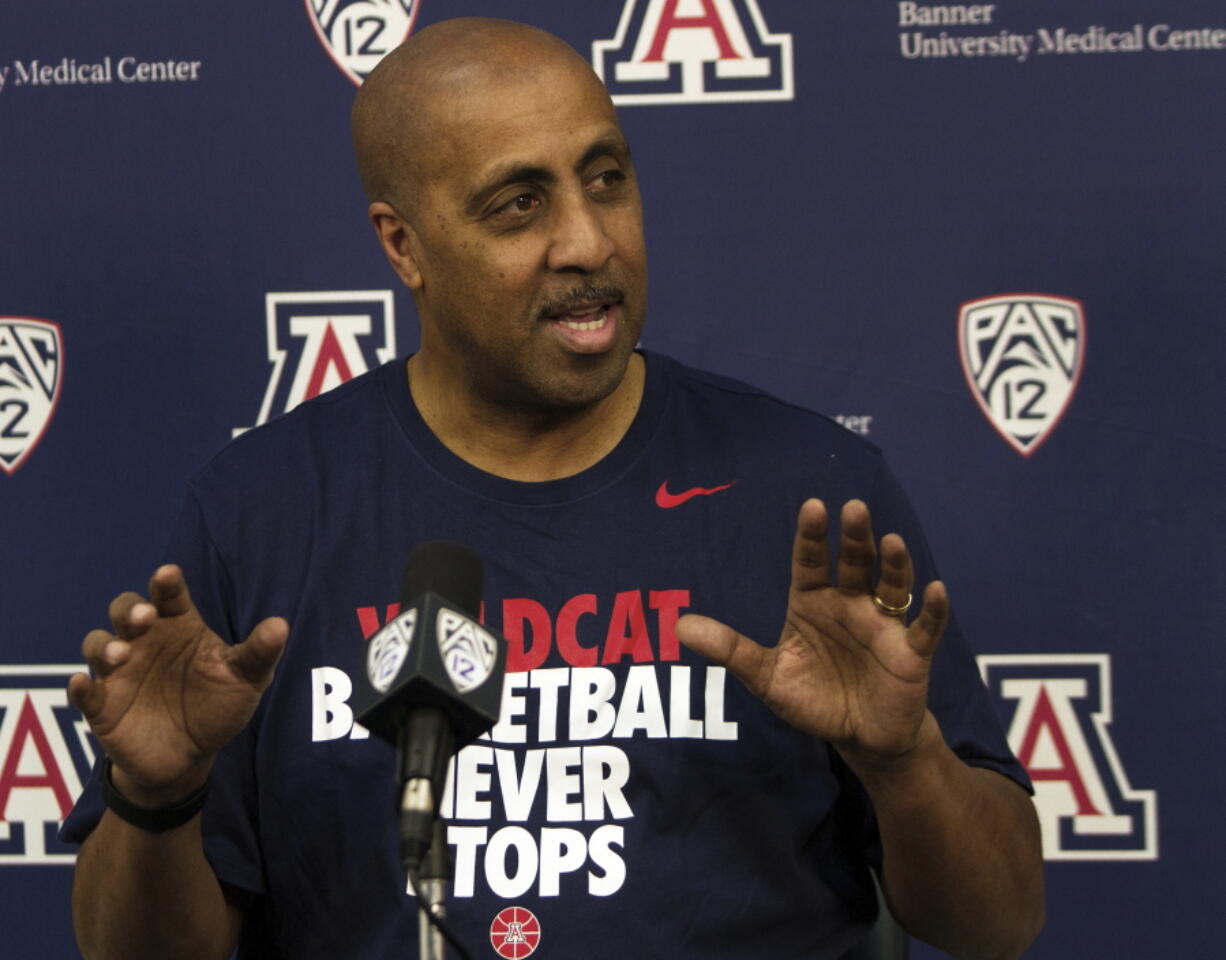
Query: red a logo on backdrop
point(1060, 708)
point(324, 339)
point(31, 372)
point(45, 756)
point(359, 33)
point(694, 51)
point(1022, 356)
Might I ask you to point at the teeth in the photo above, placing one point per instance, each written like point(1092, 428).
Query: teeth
point(601, 316)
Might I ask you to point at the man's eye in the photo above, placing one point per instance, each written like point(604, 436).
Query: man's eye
point(518, 205)
point(608, 178)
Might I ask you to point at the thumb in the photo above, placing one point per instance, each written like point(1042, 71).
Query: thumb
point(721, 644)
point(255, 660)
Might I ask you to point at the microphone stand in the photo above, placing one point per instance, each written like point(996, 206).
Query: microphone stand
point(435, 875)
point(426, 743)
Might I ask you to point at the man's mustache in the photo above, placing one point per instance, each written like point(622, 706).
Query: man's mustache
point(579, 296)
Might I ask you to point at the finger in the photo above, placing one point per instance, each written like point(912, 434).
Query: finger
point(104, 652)
point(810, 549)
point(723, 645)
point(168, 591)
point(84, 693)
point(255, 660)
point(857, 553)
point(925, 633)
point(897, 576)
point(131, 615)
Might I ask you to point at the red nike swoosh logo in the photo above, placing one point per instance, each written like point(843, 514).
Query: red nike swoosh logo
point(665, 500)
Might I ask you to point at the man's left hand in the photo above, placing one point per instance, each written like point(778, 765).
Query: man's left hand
point(847, 669)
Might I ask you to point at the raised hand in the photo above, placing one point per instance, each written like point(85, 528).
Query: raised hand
point(847, 668)
point(166, 692)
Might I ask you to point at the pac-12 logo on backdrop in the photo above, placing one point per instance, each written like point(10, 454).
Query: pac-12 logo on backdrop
point(1060, 708)
point(359, 33)
point(31, 371)
point(1022, 355)
point(694, 51)
point(45, 757)
point(317, 341)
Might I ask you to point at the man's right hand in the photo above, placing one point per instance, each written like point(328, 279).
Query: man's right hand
point(167, 693)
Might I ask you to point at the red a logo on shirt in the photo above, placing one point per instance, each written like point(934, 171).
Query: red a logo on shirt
point(1059, 708)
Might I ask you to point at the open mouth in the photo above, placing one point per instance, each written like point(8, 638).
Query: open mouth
point(585, 320)
point(590, 327)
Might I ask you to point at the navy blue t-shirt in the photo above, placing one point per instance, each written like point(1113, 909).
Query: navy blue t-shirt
point(633, 798)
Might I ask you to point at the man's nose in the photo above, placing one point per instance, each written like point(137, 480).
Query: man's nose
point(580, 240)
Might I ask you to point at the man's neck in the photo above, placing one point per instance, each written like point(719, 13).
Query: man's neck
point(525, 445)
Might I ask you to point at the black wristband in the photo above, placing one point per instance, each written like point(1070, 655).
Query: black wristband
point(152, 819)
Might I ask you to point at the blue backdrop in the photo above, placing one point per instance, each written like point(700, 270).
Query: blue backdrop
point(989, 236)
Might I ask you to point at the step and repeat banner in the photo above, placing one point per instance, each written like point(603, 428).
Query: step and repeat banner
point(988, 237)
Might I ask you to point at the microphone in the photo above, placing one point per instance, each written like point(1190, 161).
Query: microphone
point(431, 681)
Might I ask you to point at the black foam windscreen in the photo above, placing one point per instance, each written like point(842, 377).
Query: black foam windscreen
point(450, 570)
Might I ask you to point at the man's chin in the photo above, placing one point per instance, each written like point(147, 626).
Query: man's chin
point(591, 379)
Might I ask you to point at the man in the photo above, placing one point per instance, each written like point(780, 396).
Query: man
point(628, 790)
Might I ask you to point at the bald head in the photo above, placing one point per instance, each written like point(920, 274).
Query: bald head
point(403, 108)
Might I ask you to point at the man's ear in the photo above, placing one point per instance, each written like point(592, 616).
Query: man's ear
point(399, 242)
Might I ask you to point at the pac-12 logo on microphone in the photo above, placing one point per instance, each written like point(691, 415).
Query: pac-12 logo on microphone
point(694, 51)
point(468, 651)
point(388, 650)
point(515, 933)
point(1060, 707)
point(45, 757)
point(322, 340)
point(31, 371)
point(1022, 356)
point(359, 33)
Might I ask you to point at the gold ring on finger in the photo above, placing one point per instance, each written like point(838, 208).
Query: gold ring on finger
point(889, 611)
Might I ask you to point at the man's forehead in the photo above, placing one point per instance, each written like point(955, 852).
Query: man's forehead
point(465, 99)
point(483, 131)
point(474, 96)
point(558, 154)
